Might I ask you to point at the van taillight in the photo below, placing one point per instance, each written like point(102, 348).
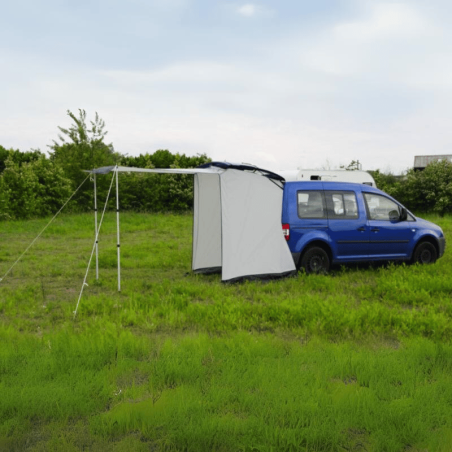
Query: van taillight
point(286, 231)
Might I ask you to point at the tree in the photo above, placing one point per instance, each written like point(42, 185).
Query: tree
point(82, 147)
point(354, 165)
point(17, 156)
point(430, 189)
point(387, 182)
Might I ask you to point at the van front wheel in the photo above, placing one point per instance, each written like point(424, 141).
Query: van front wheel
point(425, 253)
point(315, 260)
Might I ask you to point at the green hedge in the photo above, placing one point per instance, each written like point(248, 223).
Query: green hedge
point(34, 185)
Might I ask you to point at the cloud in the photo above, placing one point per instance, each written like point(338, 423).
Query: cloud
point(251, 10)
point(386, 20)
point(385, 43)
point(196, 72)
point(247, 10)
point(372, 83)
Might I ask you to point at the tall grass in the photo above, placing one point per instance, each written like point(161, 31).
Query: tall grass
point(244, 391)
point(359, 359)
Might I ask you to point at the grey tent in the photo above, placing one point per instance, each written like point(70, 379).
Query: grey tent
point(236, 220)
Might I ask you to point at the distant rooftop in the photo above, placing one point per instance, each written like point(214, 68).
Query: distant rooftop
point(421, 161)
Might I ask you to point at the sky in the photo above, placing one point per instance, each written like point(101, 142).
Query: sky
point(278, 84)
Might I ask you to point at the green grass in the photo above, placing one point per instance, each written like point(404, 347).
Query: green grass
point(358, 360)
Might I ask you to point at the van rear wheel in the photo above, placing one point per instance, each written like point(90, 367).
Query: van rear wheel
point(425, 253)
point(315, 260)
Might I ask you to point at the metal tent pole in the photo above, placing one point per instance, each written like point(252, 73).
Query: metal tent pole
point(117, 228)
point(96, 232)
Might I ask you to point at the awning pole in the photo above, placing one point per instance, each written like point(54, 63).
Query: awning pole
point(117, 227)
point(95, 223)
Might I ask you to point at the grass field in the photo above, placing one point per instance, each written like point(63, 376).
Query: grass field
point(357, 360)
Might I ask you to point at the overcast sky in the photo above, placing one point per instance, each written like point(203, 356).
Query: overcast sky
point(279, 84)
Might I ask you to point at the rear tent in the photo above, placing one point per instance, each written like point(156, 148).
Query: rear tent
point(236, 220)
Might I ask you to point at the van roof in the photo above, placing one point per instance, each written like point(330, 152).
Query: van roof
point(331, 185)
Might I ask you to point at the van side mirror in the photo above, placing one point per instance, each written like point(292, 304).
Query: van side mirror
point(394, 215)
point(403, 214)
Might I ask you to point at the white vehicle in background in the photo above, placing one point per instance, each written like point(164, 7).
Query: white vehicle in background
point(359, 177)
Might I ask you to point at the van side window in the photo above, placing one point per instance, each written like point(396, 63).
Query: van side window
point(381, 208)
point(341, 205)
point(311, 204)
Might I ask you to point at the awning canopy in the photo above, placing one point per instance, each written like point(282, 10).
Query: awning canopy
point(211, 167)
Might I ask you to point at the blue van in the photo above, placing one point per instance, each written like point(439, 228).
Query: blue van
point(328, 223)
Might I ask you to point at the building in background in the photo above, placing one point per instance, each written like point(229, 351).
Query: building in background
point(421, 161)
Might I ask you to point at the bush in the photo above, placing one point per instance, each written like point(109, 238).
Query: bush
point(159, 192)
point(425, 191)
point(31, 189)
point(430, 189)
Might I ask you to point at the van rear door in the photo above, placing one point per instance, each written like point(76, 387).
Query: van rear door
point(304, 210)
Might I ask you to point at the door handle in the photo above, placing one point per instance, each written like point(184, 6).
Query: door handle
point(375, 229)
point(362, 229)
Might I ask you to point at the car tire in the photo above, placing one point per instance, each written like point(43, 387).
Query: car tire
point(425, 253)
point(315, 260)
